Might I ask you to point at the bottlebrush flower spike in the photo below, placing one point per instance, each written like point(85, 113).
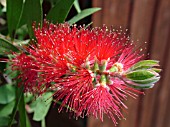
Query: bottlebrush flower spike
point(91, 71)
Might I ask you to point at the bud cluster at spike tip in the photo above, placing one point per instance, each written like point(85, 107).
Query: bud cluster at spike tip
point(91, 70)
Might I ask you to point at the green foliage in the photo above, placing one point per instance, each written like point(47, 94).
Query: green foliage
point(21, 108)
point(21, 12)
point(7, 94)
point(83, 14)
point(32, 11)
point(145, 64)
point(60, 11)
point(6, 47)
point(21, 33)
point(143, 74)
point(77, 6)
point(19, 93)
point(4, 121)
point(14, 10)
point(41, 106)
point(28, 97)
point(140, 75)
point(6, 109)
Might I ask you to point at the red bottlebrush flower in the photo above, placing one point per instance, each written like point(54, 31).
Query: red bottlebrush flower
point(100, 101)
point(82, 66)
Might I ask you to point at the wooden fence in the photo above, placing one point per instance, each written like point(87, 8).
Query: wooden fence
point(148, 21)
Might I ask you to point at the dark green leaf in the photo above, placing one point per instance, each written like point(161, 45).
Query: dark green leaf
point(32, 11)
point(28, 124)
point(17, 101)
point(141, 75)
point(6, 46)
point(7, 94)
point(14, 10)
point(53, 2)
point(4, 121)
point(42, 106)
point(1, 12)
point(145, 64)
point(10, 74)
point(6, 110)
point(60, 11)
point(21, 108)
point(83, 14)
point(21, 33)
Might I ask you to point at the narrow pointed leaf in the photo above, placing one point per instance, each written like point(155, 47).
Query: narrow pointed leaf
point(77, 6)
point(18, 99)
point(145, 64)
point(32, 11)
point(14, 10)
point(6, 47)
point(83, 14)
point(22, 112)
point(60, 11)
point(28, 124)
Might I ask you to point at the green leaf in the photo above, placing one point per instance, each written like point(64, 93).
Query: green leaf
point(32, 11)
point(21, 108)
point(60, 11)
point(83, 14)
point(4, 121)
point(42, 106)
point(6, 110)
point(21, 33)
point(10, 74)
point(145, 64)
point(139, 86)
point(156, 70)
point(147, 81)
point(22, 42)
point(53, 2)
point(7, 94)
point(28, 97)
point(141, 75)
point(77, 6)
point(6, 46)
point(28, 124)
point(17, 101)
point(14, 10)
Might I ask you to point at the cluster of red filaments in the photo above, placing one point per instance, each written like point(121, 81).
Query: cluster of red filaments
point(84, 68)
